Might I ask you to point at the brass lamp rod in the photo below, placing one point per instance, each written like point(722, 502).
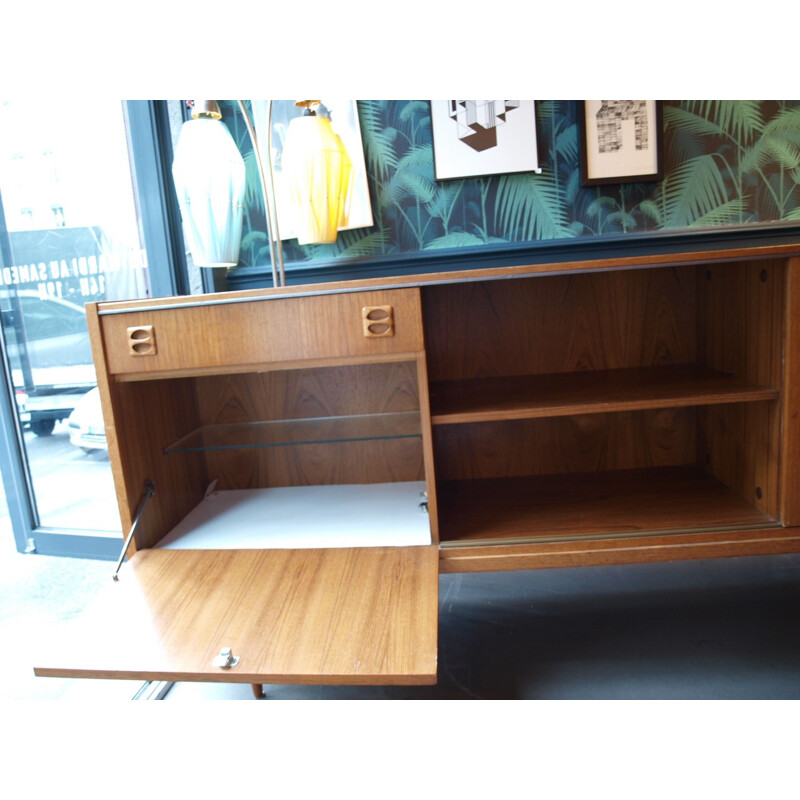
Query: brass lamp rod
point(268, 188)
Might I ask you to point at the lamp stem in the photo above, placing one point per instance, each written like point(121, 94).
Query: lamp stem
point(268, 189)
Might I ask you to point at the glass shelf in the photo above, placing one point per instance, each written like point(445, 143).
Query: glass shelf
point(288, 432)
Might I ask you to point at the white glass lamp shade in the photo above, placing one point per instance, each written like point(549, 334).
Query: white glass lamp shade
point(209, 175)
point(316, 170)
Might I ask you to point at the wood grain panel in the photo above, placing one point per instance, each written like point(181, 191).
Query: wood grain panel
point(453, 276)
point(337, 616)
point(619, 502)
point(317, 464)
point(741, 331)
point(566, 444)
point(596, 391)
point(320, 392)
point(204, 337)
point(560, 323)
point(790, 454)
point(146, 416)
point(604, 552)
point(139, 421)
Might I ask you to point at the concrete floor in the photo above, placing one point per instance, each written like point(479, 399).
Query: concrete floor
point(721, 629)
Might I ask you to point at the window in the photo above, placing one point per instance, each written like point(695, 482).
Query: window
point(81, 233)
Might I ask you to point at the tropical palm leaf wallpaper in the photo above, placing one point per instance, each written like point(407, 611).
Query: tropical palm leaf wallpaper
point(727, 162)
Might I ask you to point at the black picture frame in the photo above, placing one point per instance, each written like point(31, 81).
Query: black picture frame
point(611, 153)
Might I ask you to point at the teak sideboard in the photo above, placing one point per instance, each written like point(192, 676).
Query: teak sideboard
point(299, 465)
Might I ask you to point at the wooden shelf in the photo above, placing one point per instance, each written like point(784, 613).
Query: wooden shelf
point(588, 392)
point(318, 430)
point(585, 505)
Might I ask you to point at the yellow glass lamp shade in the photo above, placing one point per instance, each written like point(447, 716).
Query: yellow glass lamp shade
point(317, 173)
point(209, 175)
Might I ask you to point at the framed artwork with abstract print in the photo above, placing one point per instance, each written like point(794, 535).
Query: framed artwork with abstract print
point(483, 137)
point(620, 141)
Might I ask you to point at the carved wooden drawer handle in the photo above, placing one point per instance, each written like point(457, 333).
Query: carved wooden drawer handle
point(378, 321)
point(142, 340)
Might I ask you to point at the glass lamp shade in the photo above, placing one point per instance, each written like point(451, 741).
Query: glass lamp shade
point(209, 175)
point(317, 172)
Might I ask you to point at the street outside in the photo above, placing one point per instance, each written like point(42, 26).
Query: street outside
point(73, 489)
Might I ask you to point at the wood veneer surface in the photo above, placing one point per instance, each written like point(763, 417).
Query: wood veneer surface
point(590, 504)
point(741, 330)
point(205, 337)
point(320, 392)
point(561, 323)
point(724, 254)
point(617, 550)
point(596, 391)
point(342, 615)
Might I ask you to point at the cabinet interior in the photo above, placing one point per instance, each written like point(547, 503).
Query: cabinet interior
point(545, 408)
point(598, 404)
point(348, 426)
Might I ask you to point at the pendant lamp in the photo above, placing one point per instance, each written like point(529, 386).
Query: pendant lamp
point(317, 173)
point(209, 175)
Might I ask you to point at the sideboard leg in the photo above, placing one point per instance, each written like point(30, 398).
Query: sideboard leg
point(258, 690)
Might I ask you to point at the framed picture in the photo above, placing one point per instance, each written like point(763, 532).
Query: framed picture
point(343, 115)
point(620, 141)
point(483, 137)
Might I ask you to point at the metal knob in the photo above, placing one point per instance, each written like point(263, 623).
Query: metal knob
point(226, 659)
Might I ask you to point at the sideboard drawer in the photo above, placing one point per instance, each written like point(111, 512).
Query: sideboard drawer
point(263, 331)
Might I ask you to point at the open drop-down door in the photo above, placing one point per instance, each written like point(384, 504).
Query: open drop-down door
point(311, 616)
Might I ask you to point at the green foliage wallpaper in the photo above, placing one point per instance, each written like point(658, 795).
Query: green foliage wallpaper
point(726, 162)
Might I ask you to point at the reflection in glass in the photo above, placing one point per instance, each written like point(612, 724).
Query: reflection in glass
point(70, 235)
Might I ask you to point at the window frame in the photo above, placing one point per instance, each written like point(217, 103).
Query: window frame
point(151, 158)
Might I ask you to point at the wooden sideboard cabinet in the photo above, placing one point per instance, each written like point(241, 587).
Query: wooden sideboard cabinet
point(299, 465)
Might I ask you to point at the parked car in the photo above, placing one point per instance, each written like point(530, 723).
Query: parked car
point(49, 354)
point(85, 424)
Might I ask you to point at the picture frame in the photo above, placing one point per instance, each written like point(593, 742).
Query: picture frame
point(343, 115)
point(472, 138)
point(621, 141)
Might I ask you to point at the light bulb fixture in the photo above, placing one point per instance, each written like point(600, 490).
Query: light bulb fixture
point(317, 172)
point(209, 175)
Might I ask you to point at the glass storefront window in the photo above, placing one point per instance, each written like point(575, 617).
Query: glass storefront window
point(71, 235)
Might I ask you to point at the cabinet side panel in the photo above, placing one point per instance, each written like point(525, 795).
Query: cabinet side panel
point(790, 470)
point(740, 331)
point(140, 420)
point(153, 414)
point(561, 323)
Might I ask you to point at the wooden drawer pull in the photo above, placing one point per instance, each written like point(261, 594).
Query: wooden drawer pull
point(378, 321)
point(142, 341)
